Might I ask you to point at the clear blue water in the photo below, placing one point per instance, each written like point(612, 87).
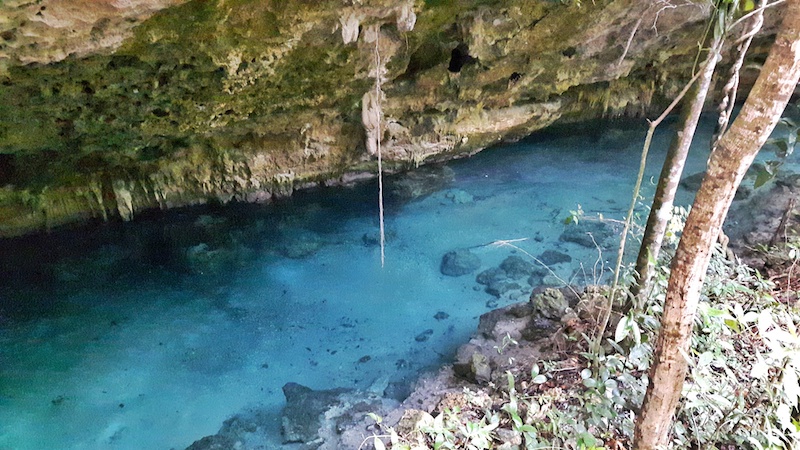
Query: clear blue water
point(149, 334)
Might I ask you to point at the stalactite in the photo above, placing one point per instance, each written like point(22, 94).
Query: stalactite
point(124, 199)
point(406, 18)
point(96, 189)
point(350, 23)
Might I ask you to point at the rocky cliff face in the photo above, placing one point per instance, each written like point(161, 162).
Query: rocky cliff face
point(108, 108)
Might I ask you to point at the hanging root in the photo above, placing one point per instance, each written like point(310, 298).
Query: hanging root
point(371, 117)
point(728, 101)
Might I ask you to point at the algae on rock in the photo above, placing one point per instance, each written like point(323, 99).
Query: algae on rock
point(242, 100)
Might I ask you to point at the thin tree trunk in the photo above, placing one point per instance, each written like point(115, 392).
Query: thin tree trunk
point(671, 172)
point(726, 167)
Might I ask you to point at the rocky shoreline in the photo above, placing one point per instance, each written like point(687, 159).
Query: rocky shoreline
point(508, 339)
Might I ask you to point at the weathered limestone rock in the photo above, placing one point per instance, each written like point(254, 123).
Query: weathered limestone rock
point(113, 107)
point(247, 429)
point(323, 420)
point(315, 417)
point(550, 304)
point(47, 31)
point(420, 183)
point(302, 416)
point(459, 262)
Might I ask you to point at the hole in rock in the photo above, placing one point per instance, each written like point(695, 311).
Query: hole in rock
point(7, 168)
point(460, 57)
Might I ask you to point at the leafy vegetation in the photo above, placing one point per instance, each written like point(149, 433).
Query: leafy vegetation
point(742, 391)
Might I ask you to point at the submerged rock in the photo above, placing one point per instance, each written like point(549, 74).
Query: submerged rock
point(490, 276)
point(302, 416)
point(588, 233)
point(441, 315)
point(458, 196)
point(317, 417)
point(247, 429)
point(300, 244)
point(551, 257)
point(502, 287)
point(516, 267)
point(372, 238)
point(326, 419)
point(424, 336)
point(421, 182)
point(459, 262)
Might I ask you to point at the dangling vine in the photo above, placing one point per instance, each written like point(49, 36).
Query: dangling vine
point(371, 108)
point(378, 148)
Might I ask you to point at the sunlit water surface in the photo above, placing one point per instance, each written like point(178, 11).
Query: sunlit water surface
point(148, 335)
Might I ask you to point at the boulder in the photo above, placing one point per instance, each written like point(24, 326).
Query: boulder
point(317, 418)
point(516, 267)
point(458, 196)
point(502, 287)
point(551, 280)
point(510, 320)
point(473, 366)
point(411, 420)
point(420, 182)
point(489, 276)
point(550, 304)
point(581, 233)
point(459, 262)
point(551, 257)
point(303, 414)
point(247, 429)
point(539, 328)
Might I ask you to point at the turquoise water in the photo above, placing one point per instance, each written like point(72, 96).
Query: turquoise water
point(149, 334)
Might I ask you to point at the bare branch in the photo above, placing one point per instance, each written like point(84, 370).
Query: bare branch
point(630, 39)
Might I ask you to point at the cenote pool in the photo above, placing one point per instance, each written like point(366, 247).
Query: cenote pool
point(149, 334)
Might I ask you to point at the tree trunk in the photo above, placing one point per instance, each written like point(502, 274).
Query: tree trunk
point(726, 167)
point(671, 172)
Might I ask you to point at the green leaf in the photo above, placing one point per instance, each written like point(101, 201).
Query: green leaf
point(375, 417)
point(783, 148)
point(511, 383)
point(749, 5)
point(733, 325)
point(622, 329)
point(539, 379)
point(378, 444)
point(762, 178)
